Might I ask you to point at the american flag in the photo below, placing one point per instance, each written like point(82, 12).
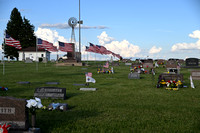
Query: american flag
point(12, 42)
point(94, 48)
point(102, 49)
point(117, 55)
point(88, 74)
point(41, 44)
point(106, 65)
point(52, 48)
point(65, 47)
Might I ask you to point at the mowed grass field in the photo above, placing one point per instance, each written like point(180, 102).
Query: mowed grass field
point(119, 105)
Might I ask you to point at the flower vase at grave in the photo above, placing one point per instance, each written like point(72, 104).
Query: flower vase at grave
point(33, 120)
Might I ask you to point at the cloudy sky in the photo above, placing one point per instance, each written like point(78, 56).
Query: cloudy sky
point(131, 28)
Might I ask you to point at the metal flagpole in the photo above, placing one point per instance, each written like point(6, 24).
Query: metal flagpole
point(36, 54)
point(4, 53)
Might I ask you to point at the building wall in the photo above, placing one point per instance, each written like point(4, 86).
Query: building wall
point(32, 55)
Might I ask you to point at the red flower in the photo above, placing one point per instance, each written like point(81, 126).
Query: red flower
point(4, 127)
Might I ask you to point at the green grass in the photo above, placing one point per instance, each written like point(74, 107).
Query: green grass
point(119, 104)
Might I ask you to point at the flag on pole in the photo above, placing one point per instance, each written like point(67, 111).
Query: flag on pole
point(65, 47)
point(12, 42)
point(106, 65)
point(41, 44)
point(88, 74)
point(94, 48)
point(90, 79)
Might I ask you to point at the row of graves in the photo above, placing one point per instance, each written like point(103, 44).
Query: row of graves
point(173, 79)
point(18, 115)
point(144, 67)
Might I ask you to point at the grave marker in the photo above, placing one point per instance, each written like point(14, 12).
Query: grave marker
point(50, 92)
point(192, 62)
point(134, 75)
point(13, 111)
point(195, 74)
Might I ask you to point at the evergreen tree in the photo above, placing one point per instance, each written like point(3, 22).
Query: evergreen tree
point(13, 29)
point(19, 29)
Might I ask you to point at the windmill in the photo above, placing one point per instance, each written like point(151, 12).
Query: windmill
point(72, 23)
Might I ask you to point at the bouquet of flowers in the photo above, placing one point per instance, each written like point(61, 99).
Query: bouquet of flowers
point(34, 104)
point(3, 88)
point(170, 84)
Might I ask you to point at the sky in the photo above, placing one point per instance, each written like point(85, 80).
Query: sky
point(157, 29)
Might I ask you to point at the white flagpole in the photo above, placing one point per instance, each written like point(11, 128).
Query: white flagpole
point(36, 54)
point(4, 53)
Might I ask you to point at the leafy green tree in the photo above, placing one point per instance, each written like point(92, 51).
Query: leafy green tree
point(19, 29)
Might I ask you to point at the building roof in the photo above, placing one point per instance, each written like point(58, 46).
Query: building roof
point(32, 49)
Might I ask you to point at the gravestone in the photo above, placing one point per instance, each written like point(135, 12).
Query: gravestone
point(171, 64)
point(88, 89)
point(28, 60)
point(147, 65)
point(52, 83)
point(134, 75)
point(192, 62)
point(128, 64)
point(195, 74)
point(53, 60)
point(13, 111)
point(50, 92)
point(171, 76)
point(161, 61)
point(44, 60)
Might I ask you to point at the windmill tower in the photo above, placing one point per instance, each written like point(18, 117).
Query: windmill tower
point(72, 23)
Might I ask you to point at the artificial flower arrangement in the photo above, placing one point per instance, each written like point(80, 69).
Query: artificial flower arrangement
point(170, 84)
point(3, 88)
point(105, 70)
point(34, 104)
point(4, 128)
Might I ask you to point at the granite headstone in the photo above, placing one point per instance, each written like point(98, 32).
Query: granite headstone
point(50, 92)
point(192, 62)
point(13, 111)
point(134, 75)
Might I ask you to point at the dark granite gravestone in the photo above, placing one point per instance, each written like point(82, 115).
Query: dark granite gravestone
point(171, 76)
point(134, 75)
point(192, 62)
point(13, 111)
point(50, 92)
point(195, 74)
point(52, 83)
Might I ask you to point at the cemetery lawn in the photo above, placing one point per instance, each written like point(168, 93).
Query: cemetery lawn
point(119, 104)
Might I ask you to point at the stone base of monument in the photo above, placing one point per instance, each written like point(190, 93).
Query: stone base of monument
point(88, 89)
point(30, 130)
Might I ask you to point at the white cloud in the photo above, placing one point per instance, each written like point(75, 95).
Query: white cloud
point(104, 38)
point(124, 48)
point(155, 50)
point(196, 34)
point(50, 36)
point(188, 46)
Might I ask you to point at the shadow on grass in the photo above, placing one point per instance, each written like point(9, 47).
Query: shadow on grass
point(70, 95)
point(56, 119)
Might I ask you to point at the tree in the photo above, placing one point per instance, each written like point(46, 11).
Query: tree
point(19, 29)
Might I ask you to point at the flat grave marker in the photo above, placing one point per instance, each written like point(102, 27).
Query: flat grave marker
point(88, 89)
point(50, 92)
